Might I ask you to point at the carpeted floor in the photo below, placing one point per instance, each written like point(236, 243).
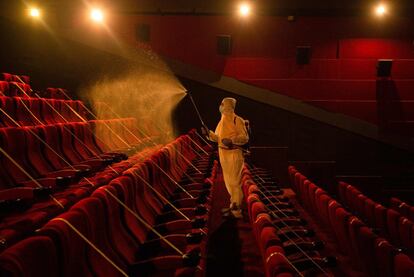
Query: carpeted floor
point(232, 248)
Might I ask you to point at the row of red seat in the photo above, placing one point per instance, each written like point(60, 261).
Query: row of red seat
point(53, 151)
point(402, 207)
point(389, 222)
point(286, 244)
point(8, 77)
point(37, 111)
point(63, 161)
point(32, 207)
point(23, 89)
point(19, 85)
point(368, 252)
point(145, 222)
point(56, 93)
point(15, 89)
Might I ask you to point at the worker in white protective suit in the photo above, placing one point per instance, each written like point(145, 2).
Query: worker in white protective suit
point(230, 134)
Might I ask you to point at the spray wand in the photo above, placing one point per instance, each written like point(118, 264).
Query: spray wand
point(196, 109)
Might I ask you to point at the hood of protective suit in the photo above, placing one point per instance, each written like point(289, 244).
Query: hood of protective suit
point(227, 106)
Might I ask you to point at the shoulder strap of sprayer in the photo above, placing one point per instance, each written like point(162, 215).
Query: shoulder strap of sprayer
point(245, 147)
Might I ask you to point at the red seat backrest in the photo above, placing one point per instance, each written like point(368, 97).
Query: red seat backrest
point(403, 266)
point(34, 256)
point(4, 88)
point(393, 218)
point(53, 153)
point(384, 255)
point(15, 145)
point(8, 117)
point(122, 242)
point(77, 257)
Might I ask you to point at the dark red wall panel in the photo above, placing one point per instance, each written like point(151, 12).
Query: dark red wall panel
point(341, 76)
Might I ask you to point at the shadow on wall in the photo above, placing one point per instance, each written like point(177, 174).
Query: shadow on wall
point(391, 116)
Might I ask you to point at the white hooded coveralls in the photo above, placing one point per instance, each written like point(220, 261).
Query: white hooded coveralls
point(231, 126)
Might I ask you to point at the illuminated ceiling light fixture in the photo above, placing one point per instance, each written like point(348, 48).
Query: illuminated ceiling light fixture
point(97, 15)
point(34, 12)
point(244, 9)
point(380, 10)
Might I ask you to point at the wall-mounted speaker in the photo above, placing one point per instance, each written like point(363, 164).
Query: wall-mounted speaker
point(384, 68)
point(224, 44)
point(143, 33)
point(303, 54)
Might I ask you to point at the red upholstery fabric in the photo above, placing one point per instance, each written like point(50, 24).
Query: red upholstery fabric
point(403, 265)
point(30, 257)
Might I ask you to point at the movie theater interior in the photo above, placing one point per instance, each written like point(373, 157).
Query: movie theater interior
point(206, 138)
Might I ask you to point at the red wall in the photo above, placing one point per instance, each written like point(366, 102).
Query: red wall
point(341, 76)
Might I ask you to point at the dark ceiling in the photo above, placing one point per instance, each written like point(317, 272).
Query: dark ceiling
point(272, 7)
point(202, 7)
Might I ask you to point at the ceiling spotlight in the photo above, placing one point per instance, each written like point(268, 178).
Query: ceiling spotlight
point(34, 12)
point(380, 10)
point(244, 9)
point(97, 15)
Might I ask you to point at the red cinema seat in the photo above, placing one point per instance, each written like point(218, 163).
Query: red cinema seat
point(352, 198)
point(36, 111)
point(4, 88)
point(323, 200)
point(24, 114)
point(342, 189)
point(49, 109)
point(8, 115)
point(370, 212)
point(381, 219)
point(400, 206)
point(16, 163)
point(12, 141)
point(55, 93)
point(403, 266)
point(68, 141)
point(6, 77)
point(338, 218)
point(49, 93)
point(353, 228)
point(393, 218)
point(366, 240)
point(276, 263)
point(384, 256)
point(18, 89)
point(83, 147)
point(359, 203)
point(85, 131)
point(311, 197)
point(122, 243)
point(53, 152)
point(79, 111)
point(406, 234)
point(34, 256)
point(76, 256)
point(37, 159)
point(24, 78)
point(67, 111)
